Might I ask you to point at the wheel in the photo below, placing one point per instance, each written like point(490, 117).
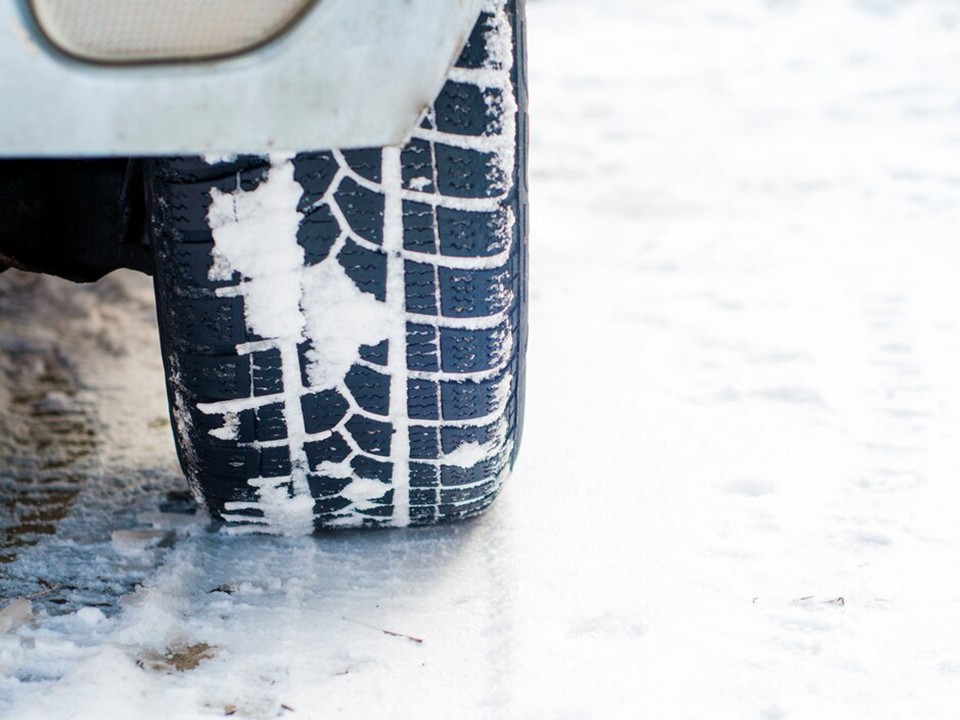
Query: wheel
point(344, 331)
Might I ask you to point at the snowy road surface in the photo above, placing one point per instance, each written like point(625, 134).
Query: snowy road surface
point(739, 488)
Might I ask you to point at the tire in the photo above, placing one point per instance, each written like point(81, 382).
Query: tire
point(344, 331)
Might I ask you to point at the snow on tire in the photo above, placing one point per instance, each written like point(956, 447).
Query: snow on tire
point(344, 331)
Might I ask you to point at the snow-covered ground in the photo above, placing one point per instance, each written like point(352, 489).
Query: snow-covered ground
point(740, 481)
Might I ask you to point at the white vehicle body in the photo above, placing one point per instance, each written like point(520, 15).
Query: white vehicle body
point(347, 73)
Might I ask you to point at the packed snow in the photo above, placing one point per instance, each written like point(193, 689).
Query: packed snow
point(738, 488)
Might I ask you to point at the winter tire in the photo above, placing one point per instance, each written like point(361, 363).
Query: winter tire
point(344, 331)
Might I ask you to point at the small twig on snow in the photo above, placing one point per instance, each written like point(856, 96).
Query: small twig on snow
point(385, 632)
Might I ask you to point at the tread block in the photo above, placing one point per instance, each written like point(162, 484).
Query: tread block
point(367, 268)
point(363, 210)
point(263, 424)
point(474, 293)
point(453, 476)
point(372, 436)
point(370, 469)
point(474, 54)
point(422, 515)
point(423, 475)
point(333, 449)
point(330, 505)
point(452, 513)
point(421, 288)
point(229, 461)
point(370, 389)
point(225, 489)
point(471, 234)
point(423, 400)
point(270, 423)
point(192, 170)
point(246, 426)
point(465, 109)
point(387, 499)
point(467, 173)
point(424, 442)
point(469, 399)
point(464, 351)
point(208, 325)
point(183, 187)
point(216, 377)
point(275, 462)
point(365, 162)
point(323, 410)
point(419, 227)
point(378, 354)
point(266, 372)
point(317, 233)
point(417, 161)
point(323, 486)
point(384, 512)
point(189, 266)
point(422, 348)
point(424, 496)
point(314, 172)
point(453, 436)
point(461, 495)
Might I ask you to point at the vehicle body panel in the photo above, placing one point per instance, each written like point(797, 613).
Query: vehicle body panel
point(350, 73)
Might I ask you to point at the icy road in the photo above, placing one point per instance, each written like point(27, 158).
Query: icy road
point(739, 490)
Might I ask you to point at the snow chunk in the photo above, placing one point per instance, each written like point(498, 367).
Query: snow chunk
point(339, 318)
point(283, 513)
point(362, 494)
point(134, 542)
point(362, 491)
point(252, 233)
point(469, 454)
point(335, 470)
point(420, 183)
point(91, 616)
point(217, 158)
